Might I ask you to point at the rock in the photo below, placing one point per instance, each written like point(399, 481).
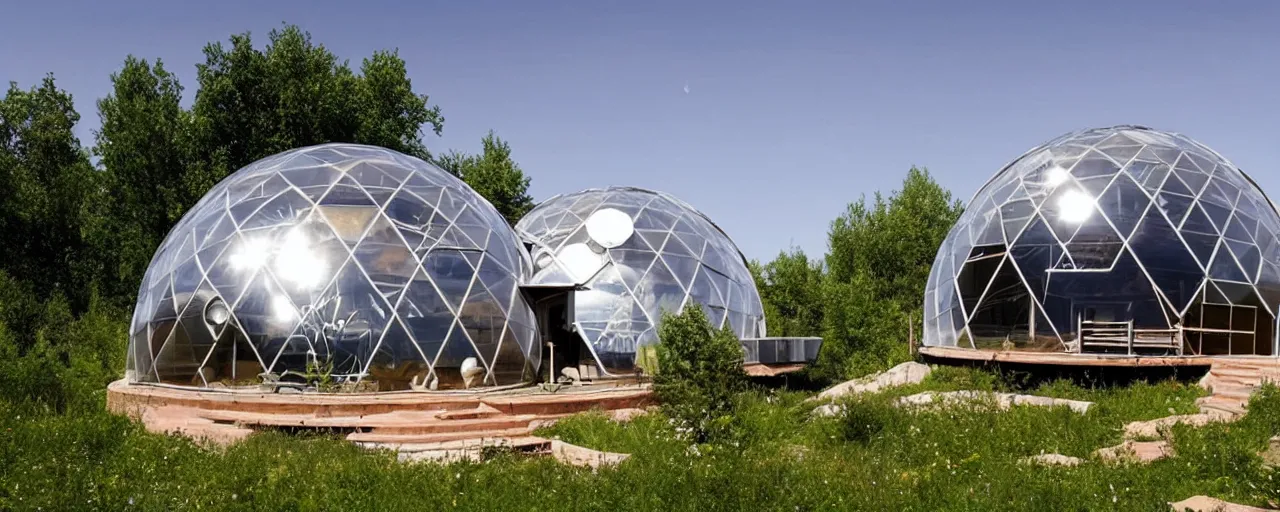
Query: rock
point(1136, 451)
point(1207, 504)
point(1052, 459)
point(1206, 382)
point(571, 373)
point(901, 375)
point(285, 390)
point(442, 456)
point(1159, 427)
point(1271, 456)
point(1222, 404)
point(829, 410)
point(580, 456)
point(1003, 400)
point(625, 415)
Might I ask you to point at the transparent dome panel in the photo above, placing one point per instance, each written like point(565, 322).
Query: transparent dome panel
point(343, 267)
point(1121, 240)
point(634, 254)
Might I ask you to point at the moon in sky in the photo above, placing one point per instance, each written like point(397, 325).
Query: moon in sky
point(686, 88)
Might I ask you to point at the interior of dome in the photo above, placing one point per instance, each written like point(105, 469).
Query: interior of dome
point(1114, 241)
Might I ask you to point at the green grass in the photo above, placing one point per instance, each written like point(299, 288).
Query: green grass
point(777, 458)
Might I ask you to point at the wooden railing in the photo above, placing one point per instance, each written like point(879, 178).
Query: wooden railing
point(1101, 334)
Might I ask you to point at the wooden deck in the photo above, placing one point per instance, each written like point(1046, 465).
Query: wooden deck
point(389, 420)
point(1065, 359)
point(772, 370)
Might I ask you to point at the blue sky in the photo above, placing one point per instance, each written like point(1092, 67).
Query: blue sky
point(792, 112)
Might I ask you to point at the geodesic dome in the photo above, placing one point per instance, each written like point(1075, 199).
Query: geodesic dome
point(1121, 240)
point(635, 253)
point(357, 263)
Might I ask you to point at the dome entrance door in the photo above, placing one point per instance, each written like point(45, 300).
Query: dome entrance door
point(565, 357)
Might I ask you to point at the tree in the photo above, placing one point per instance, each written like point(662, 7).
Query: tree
point(160, 159)
point(878, 264)
point(46, 186)
point(494, 175)
point(254, 103)
point(69, 230)
point(144, 146)
point(791, 288)
point(391, 115)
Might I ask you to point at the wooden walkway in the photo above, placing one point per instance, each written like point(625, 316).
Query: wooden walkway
point(405, 421)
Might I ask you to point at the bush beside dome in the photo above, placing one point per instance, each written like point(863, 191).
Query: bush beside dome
point(1121, 240)
point(351, 262)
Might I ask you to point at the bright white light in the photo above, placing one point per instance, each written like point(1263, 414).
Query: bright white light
point(580, 261)
point(609, 227)
point(281, 309)
point(297, 263)
point(251, 254)
point(1056, 176)
point(296, 237)
point(1074, 206)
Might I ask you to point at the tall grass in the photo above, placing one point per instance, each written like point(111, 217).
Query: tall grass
point(779, 458)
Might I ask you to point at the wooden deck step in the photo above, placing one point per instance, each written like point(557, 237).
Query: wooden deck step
point(1217, 404)
point(1239, 372)
point(480, 411)
point(371, 437)
point(461, 426)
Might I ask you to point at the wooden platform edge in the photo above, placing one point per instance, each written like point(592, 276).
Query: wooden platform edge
point(133, 400)
point(1064, 359)
point(772, 370)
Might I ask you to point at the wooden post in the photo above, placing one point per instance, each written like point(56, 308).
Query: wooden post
point(1079, 332)
point(911, 335)
point(1031, 324)
point(551, 378)
point(1130, 333)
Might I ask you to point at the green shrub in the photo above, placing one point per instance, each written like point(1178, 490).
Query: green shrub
point(50, 357)
point(863, 419)
point(699, 373)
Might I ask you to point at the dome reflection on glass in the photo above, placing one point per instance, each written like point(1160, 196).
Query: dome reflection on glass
point(636, 253)
point(1121, 240)
point(355, 261)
